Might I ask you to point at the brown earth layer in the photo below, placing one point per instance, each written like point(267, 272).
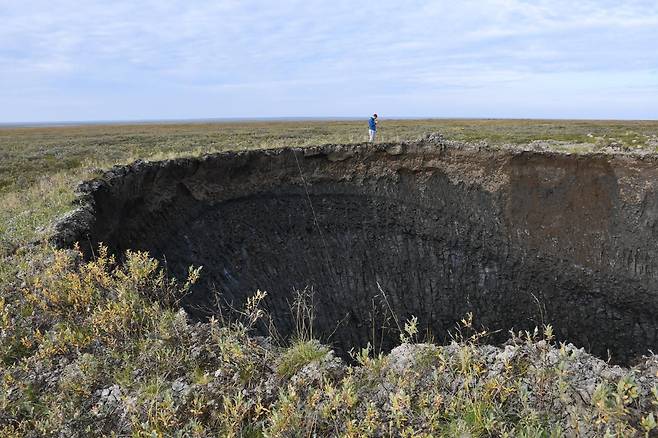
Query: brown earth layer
point(431, 229)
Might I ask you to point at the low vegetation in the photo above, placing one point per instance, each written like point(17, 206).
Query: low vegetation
point(103, 349)
point(100, 349)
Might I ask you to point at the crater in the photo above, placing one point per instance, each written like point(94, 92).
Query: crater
point(386, 232)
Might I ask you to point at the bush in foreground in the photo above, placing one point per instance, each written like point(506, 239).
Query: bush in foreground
point(100, 349)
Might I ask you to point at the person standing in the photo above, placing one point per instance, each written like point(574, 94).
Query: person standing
point(372, 128)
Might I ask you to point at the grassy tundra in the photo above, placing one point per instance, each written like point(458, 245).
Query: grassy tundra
point(39, 166)
point(97, 349)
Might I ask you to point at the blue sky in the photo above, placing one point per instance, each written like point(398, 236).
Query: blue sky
point(148, 59)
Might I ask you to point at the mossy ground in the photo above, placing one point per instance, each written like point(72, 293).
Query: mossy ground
point(95, 349)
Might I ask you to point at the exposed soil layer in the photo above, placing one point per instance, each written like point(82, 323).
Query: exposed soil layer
point(517, 238)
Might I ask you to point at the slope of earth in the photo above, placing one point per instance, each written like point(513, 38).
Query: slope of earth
point(431, 229)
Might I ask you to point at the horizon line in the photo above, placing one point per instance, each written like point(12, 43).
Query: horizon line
point(218, 120)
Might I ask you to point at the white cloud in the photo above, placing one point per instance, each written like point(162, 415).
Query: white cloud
point(95, 48)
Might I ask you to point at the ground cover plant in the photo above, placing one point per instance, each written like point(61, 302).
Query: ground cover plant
point(99, 348)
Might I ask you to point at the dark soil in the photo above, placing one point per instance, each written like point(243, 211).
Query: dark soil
point(381, 233)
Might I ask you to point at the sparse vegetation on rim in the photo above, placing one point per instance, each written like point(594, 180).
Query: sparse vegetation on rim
point(96, 349)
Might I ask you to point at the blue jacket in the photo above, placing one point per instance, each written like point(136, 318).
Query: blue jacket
point(371, 124)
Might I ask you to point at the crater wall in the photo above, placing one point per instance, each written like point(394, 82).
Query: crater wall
point(518, 238)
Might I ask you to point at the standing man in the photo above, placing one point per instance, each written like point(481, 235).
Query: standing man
point(372, 127)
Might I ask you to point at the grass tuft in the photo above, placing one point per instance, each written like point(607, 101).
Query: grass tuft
point(298, 355)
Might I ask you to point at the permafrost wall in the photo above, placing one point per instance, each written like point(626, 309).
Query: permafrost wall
point(518, 238)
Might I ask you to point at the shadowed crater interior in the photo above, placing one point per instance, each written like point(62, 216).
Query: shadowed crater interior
point(516, 238)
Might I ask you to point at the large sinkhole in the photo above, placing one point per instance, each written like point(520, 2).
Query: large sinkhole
point(381, 233)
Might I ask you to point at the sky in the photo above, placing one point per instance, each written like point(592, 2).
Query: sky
point(65, 60)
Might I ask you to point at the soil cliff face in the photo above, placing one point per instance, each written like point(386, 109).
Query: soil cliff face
point(519, 238)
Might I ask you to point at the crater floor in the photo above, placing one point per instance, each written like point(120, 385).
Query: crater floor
point(381, 233)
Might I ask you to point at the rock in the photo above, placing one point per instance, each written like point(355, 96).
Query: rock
point(328, 367)
point(340, 155)
point(72, 227)
point(181, 389)
point(435, 138)
point(394, 149)
point(109, 400)
point(406, 356)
